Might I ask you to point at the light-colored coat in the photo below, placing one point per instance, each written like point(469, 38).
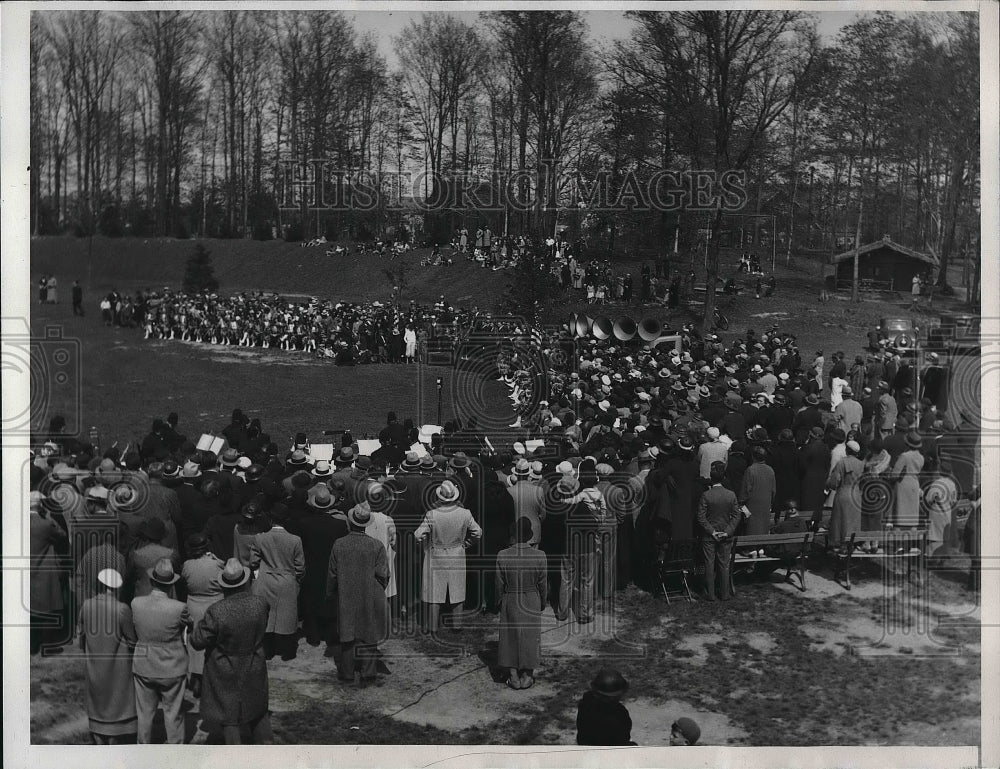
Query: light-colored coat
point(159, 626)
point(443, 531)
point(281, 562)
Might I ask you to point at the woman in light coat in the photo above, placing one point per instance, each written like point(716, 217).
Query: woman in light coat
point(445, 532)
point(522, 587)
point(906, 473)
point(844, 479)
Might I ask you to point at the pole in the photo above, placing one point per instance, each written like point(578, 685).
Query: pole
point(774, 240)
point(855, 293)
point(439, 400)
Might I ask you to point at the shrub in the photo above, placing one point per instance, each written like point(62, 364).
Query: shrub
point(199, 275)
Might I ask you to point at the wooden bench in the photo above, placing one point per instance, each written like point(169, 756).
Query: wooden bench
point(909, 545)
point(798, 542)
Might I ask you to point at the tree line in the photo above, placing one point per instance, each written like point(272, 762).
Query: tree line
point(178, 123)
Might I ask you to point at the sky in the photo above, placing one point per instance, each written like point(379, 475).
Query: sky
point(605, 26)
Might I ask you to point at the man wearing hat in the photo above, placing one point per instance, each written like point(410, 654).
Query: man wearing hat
point(848, 412)
point(318, 529)
point(888, 411)
point(148, 550)
point(807, 418)
point(814, 468)
point(446, 530)
point(229, 464)
point(357, 574)
point(200, 573)
point(601, 718)
point(107, 635)
point(277, 557)
point(231, 634)
point(529, 498)
point(160, 661)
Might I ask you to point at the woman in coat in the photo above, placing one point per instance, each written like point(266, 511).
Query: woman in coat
point(757, 493)
point(814, 468)
point(381, 527)
point(784, 461)
point(445, 532)
point(107, 637)
point(844, 480)
point(906, 474)
point(46, 591)
point(201, 578)
point(235, 691)
point(280, 563)
point(521, 585)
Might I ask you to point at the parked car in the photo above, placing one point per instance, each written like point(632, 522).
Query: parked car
point(955, 331)
point(901, 334)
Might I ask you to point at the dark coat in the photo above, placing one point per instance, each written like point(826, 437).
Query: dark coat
point(814, 467)
point(219, 531)
point(602, 720)
point(234, 688)
point(46, 592)
point(681, 476)
point(318, 531)
point(784, 460)
point(498, 516)
point(356, 578)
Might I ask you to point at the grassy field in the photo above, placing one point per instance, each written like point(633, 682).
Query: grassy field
point(773, 667)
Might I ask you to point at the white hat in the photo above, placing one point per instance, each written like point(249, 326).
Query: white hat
point(110, 578)
point(713, 433)
point(564, 468)
point(605, 379)
point(604, 405)
point(519, 448)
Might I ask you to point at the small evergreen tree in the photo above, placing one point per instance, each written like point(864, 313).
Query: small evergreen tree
point(199, 275)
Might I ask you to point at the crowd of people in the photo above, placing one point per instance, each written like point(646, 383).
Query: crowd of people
point(344, 332)
point(212, 564)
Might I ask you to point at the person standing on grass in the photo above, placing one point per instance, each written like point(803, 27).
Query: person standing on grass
point(357, 575)
point(757, 492)
point(201, 578)
point(522, 588)
point(277, 557)
point(446, 531)
point(231, 635)
point(52, 294)
point(160, 662)
point(77, 298)
point(107, 637)
point(914, 293)
point(718, 517)
point(906, 475)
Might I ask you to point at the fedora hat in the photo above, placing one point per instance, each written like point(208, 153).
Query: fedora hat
point(812, 399)
point(163, 572)
point(322, 469)
point(171, 469)
point(250, 511)
point(320, 498)
point(230, 458)
point(459, 460)
point(191, 471)
point(110, 578)
point(913, 440)
point(447, 491)
point(411, 461)
point(609, 682)
point(233, 575)
point(298, 457)
point(427, 462)
point(360, 515)
point(816, 432)
point(255, 472)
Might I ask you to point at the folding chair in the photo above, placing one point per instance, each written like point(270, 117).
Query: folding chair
point(677, 558)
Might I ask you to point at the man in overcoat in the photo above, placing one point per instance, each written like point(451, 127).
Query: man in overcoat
point(356, 578)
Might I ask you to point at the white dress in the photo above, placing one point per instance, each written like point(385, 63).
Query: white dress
point(410, 338)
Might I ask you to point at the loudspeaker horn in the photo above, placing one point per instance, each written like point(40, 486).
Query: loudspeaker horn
point(625, 329)
point(583, 324)
point(603, 328)
point(650, 329)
